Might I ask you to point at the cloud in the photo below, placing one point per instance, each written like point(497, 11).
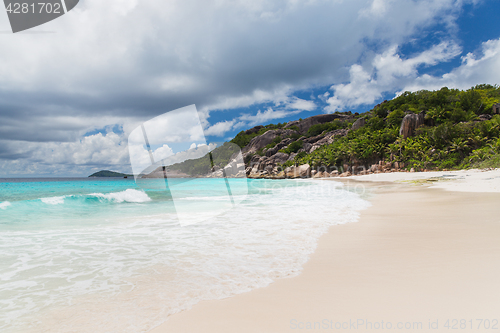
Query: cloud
point(125, 62)
point(155, 56)
point(300, 105)
point(285, 107)
point(482, 67)
point(220, 128)
point(387, 72)
point(267, 115)
point(67, 158)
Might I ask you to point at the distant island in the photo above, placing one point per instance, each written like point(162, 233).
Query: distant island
point(109, 174)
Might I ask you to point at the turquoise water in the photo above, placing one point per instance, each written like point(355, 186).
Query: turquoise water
point(74, 248)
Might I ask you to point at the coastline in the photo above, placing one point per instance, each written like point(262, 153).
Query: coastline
point(418, 255)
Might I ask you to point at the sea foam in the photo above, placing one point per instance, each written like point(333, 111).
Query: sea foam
point(4, 205)
point(129, 195)
point(53, 200)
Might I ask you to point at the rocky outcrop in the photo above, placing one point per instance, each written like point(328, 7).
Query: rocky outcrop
point(302, 171)
point(254, 129)
point(305, 124)
point(496, 108)
point(410, 123)
point(278, 158)
point(330, 137)
point(358, 124)
point(263, 140)
point(283, 144)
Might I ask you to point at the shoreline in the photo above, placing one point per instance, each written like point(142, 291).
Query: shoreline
point(417, 255)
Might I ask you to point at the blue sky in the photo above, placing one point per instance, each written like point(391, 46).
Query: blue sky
point(70, 97)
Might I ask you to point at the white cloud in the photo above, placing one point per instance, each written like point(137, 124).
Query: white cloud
point(483, 67)
point(387, 72)
point(269, 114)
point(300, 105)
point(220, 128)
point(98, 150)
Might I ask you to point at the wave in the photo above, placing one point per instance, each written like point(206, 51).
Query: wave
point(53, 200)
point(4, 205)
point(129, 195)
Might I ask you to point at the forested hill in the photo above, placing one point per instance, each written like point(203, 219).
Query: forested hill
point(423, 130)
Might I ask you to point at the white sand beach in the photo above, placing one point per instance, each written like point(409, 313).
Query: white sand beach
point(462, 181)
point(423, 258)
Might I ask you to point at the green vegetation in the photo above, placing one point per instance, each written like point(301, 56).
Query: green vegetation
point(293, 147)
point(326, 127)
point(109, 174)
point(452, 137)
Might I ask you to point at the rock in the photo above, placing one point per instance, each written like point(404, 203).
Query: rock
point(412, 170)
point(330, 137)
point(277, 175)
point(313, 139)
point(334, 173)
point(291, 172)
point(240, 174)
point(305, 124)
point(280, 175)
point(317, 174)
point(304, 171)
point(297, 172)
point(283, 144)
point(485, 117)
point(292, 156)
point(326, 175)
point(307, 147)
point(374, 167)
point(346, 174)
point(358, 124)
point(279, 158)
point(260, 141)
point(410, 123)
point(254, 130)
point(313, 148)
point(263, 140)
point(496, 108)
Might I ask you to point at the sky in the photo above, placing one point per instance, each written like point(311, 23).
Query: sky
point(72, 90)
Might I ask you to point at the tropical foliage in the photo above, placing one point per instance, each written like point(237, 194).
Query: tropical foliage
point(454, 136)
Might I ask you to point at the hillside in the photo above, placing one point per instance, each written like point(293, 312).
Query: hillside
point(426, 130)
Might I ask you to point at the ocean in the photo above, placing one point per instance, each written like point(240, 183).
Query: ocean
point(111, 255)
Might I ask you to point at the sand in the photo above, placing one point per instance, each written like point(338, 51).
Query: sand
point(461, 181)
point(421, 259)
